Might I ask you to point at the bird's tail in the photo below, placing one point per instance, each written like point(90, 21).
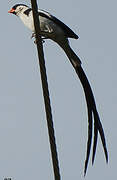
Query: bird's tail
point(91, 106)
point(74, 59)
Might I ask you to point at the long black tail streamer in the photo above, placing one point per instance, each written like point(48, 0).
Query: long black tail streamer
point(92, 114)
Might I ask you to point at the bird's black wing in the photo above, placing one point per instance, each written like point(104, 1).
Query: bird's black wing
point(68, 32)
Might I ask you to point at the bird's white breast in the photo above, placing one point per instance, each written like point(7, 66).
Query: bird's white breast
point(27, 20)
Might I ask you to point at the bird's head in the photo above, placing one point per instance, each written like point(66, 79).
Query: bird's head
point(18, 8)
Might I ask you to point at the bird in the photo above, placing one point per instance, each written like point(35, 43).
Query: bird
point(54, 29)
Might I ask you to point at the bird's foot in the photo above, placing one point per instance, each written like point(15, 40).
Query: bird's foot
point(33, 35)
point(42, 41)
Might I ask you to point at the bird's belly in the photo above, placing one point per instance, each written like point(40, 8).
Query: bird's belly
point(28, 22)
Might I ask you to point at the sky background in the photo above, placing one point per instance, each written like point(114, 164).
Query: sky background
point(24, 145)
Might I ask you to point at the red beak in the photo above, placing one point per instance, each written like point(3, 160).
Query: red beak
point(11, 10)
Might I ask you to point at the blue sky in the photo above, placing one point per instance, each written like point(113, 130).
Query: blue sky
point(24, 146)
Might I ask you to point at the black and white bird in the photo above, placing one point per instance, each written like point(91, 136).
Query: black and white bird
point(52, 28)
